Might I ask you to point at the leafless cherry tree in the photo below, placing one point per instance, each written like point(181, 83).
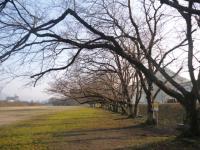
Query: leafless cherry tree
point(115, 80)
point(112, 26)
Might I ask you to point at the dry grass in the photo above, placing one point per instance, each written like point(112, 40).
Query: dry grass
point(88, 129)
point(10, 115)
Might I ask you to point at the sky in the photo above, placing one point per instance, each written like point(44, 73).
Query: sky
point(28, 93)
point(25, 92)
point(11, 87)
point(18, 86)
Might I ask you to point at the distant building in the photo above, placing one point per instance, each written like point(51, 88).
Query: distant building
point(162, 97)
point(12, 99)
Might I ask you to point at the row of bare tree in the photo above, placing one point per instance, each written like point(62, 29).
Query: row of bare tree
point(140, 37)
point(107, 79)
point(101, 77)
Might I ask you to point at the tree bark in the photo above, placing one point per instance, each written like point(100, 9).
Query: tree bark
point(123, 110)
point(192, 124)
point(130, 111)
point(150, 117)
point(135, 111)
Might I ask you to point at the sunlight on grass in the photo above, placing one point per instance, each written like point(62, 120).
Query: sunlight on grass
point(36, 132)
point(79, 127)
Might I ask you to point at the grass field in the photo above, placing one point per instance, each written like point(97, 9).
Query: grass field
point(82, 128)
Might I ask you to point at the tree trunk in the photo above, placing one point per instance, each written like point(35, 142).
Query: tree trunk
point(115, 107)
point(135, 111)
point(130, 110)
point(150, 117)
point(123, 110)
point(192, 122)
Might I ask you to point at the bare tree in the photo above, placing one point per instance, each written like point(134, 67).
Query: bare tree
point(3, 4)
point(105, 27)
point(114, 80)
point(188, 10)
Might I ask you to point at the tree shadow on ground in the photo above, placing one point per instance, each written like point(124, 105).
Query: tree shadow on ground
point(175, 144)
point(133, 130)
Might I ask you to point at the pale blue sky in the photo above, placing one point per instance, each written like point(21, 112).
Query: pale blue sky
point(26, 93)
point(18, 87)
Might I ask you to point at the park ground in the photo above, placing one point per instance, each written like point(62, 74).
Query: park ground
point(83, 128)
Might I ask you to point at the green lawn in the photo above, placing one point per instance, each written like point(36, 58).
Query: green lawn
point(84, 129)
